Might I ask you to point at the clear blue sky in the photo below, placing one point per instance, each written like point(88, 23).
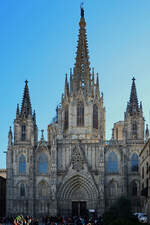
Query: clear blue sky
point(38, 42)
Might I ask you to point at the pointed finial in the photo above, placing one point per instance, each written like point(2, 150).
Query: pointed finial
point(70, 71)
point(42, 135)
point(82, 10)
point(10, 132)
point(141, 106)
point(17, 111)
point(9, 137)
point(34, 116)
point(66, 76)
point(97, 91)
point(26, 82)
point(93, 70)
point(147, 132)
point(113, 134)
point(133, 78)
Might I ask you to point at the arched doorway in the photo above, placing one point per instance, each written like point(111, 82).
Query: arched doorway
point(76, 196)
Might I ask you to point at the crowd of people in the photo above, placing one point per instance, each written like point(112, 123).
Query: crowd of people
point(28, 220)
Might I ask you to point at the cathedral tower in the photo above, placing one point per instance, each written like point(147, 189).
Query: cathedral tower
point(82, 112)
point(134, 120)
point(78, 137)
point(20, 160)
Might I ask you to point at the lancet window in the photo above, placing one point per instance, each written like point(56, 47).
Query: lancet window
point(95, 116)
point(43, 164)
point(134, 129)
point(112, 164)
point(112, 189)
point(134, 162)
point(22, 190)
point(23, 132)
point(22, 165)
point(80, 114)
point(134, 189)
point(66, 119)
point(43, 189)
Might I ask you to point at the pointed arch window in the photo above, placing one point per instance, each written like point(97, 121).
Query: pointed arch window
point(43, 189)
point(147, 168)
point(112, 164)
point(134, 162)
point(22, 190)
point(66, 119)
point(23, 132)
point(43, 164)
point(134, 129)
point(134, 188)
point(22, 165)
point(95, 116)
point(80, 114)
point(112, 189)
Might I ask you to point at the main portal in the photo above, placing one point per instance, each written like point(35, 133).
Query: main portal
point(79, 208)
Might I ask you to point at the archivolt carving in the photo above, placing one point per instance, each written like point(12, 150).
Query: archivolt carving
point(74, 185)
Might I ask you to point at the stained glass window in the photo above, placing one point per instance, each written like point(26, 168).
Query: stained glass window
point(43, 164)
point(112, 164)
point(134, 162)
point(95, 116)
point(80, 114)
point(22, 165)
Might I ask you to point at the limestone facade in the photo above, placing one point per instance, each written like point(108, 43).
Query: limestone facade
point(76, 169)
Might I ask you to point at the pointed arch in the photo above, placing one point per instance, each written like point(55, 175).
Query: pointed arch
point(95, 116)
point(134, 129)
point(22, 164)
point(23, 132)
point(80, 114)
point(112, 163)
point(22, 190)
point(43, 164)
point(43, 189)
point(112, 189)
point(134, 162)
point(134, 188)
point(75, 184)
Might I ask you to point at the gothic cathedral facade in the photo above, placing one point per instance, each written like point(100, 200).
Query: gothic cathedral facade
point(76, 170)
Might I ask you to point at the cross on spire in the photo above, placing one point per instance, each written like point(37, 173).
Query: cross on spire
point(42, 135)
point(82, 9)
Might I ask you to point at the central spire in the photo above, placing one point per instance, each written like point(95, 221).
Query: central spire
point(82, 64)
